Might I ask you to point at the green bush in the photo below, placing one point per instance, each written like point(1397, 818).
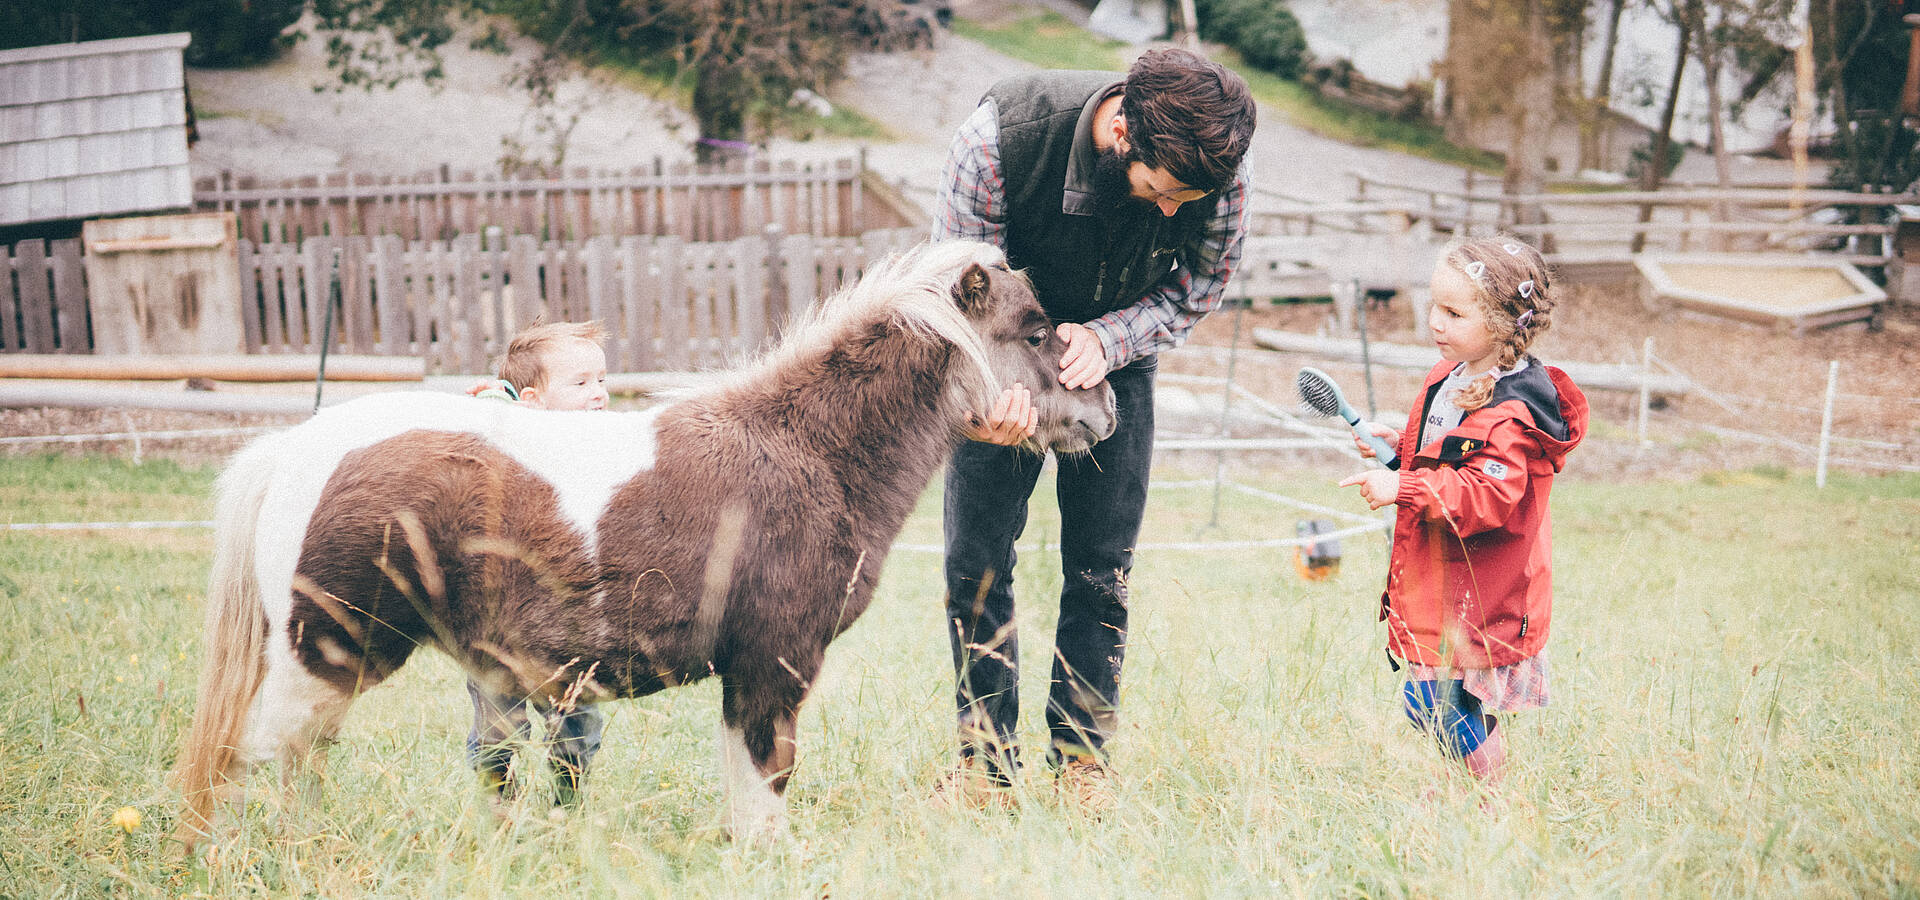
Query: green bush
point(225, 32)
point(1264, 32)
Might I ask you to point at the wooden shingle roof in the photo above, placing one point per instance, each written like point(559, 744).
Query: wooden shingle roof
point(95, 128)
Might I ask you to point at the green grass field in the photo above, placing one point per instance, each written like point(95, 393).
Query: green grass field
point(1735, 708)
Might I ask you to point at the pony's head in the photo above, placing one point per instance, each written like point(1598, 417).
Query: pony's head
point(1020, 343)
point(961, 293)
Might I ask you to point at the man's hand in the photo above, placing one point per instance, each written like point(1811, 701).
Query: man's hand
point(1085, 362)
point(1011, 421)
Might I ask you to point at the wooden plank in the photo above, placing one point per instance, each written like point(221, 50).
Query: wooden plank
point(286, 325)
point(357, 302)
point(574, 282)
point(220, 367)
point(675, 349)
point(317, 271)
point(603, 290)
point(390, 295)
point(637, 305)
point(523, 270)
point(36, 298)
point(800, 255)
point(70, 296)
point(470, 306)
point(434, 260)
point(699, 269)
point(9, 303)
point(750, 293)
point(250, 302)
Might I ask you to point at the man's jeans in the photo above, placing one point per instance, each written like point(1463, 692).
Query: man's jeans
point(1102, 498)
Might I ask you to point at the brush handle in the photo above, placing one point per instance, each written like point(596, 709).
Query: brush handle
point(1381, 451)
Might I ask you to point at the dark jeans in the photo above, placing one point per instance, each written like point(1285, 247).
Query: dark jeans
point(501, 721)
point(1102, 498)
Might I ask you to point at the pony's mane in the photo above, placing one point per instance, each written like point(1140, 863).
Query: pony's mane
point(912, 288)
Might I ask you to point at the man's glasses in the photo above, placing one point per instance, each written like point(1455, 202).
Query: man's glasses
point(1179, 195)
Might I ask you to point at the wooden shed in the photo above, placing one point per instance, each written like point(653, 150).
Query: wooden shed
point(92, 129)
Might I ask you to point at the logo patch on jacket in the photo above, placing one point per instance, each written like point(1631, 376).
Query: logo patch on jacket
point(1494, 468)
point(1454, 449)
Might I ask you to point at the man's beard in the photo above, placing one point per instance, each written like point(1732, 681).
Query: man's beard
point(1112, 189)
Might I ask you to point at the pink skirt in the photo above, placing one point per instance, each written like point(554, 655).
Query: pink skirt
point(1522, 685)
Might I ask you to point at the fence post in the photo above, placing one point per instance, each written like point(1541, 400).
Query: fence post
point(1646, 391)
point(776, 279)
point(1826, 424)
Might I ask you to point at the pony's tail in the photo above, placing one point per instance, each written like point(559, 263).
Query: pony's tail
point(234, 644)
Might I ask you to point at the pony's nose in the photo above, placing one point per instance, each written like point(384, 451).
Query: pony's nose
point(1099, 431)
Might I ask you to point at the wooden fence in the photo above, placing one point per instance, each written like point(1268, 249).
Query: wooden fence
point(43, 298)
point(1618, 224)
point(829, 199)
point(668, 304)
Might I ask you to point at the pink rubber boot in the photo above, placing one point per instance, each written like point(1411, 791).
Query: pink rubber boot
point(1488, 762)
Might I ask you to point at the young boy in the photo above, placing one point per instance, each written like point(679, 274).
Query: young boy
point(560, 366)
point(553, 365)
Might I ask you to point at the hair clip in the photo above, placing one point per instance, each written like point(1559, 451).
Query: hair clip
point(1476, 270)
point(1526, 290)
point(1512, 249)
point(1526, 318)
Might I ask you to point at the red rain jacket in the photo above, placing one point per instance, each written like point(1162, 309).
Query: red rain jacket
point(1470, 581)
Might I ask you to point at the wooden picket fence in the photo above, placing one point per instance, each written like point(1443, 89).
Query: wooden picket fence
point(668, 304)
point(43, 298)
point(694, 203)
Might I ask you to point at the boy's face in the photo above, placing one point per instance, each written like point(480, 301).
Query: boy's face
point(576, 378)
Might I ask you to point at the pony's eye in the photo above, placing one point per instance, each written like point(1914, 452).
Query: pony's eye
point(1037, 338)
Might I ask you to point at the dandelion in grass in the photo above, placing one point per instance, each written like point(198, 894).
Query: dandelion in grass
point(127, 819)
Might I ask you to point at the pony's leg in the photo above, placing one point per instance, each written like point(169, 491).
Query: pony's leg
point(757, 749)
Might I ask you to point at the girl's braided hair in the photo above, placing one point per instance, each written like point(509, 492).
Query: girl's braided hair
point(1513, 285)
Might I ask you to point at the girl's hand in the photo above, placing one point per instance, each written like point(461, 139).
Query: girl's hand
point(1378, 487)
point(1391, 435)
point(1011, 422)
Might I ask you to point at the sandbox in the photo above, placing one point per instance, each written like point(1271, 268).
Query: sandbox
point(1789, 292)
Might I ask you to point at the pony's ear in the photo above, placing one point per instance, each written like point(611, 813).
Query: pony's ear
point(970, 292)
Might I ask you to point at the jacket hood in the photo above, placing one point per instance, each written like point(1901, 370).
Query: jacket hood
point(1543, 399)
point(1552, 401)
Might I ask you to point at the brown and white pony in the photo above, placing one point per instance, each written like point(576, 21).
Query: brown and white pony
point(582, 556)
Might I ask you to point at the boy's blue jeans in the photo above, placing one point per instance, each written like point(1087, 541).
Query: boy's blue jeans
point(1102, 498)
point(500, 721)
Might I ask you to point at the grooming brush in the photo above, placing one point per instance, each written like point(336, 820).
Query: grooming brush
point(1321, 396)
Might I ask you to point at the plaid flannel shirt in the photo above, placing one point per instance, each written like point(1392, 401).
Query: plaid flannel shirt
point(972, 204)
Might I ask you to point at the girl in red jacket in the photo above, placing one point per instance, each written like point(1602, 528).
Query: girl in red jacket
point(1469, 595)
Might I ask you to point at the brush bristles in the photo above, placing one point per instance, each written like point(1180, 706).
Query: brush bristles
point(1318, 396)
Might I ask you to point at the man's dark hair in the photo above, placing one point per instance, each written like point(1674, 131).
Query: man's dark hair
point(1187, 115)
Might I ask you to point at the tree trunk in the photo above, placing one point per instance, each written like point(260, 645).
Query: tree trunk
point(1592, 153)
point(1709, 56)
point(720, 98)
point(1532, 122)
point(1656, 168)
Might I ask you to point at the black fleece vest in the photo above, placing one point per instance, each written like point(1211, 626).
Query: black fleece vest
point(1082, 266)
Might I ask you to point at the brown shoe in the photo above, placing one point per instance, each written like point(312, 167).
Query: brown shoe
point(1087, 785)
point(974, 785)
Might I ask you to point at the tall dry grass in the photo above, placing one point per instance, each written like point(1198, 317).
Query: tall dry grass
point(1734, 714)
